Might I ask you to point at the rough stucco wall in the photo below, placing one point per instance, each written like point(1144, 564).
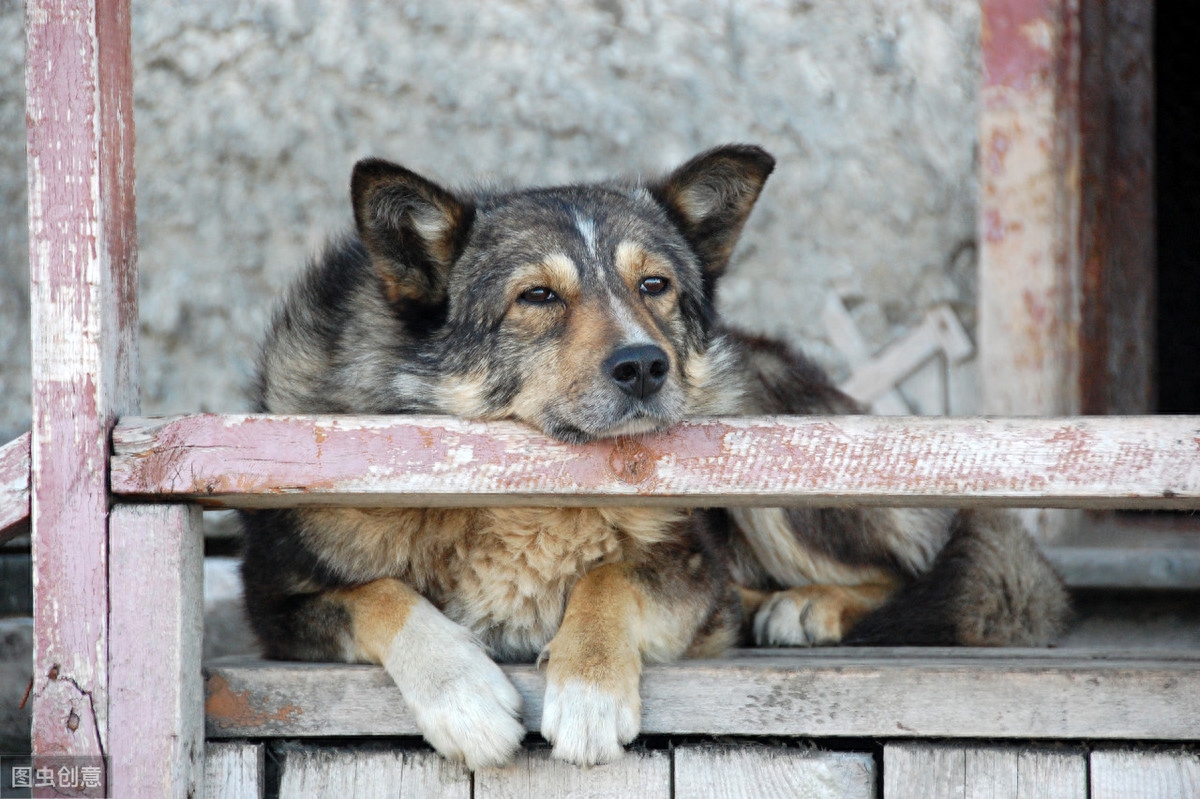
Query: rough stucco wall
point(250, 115)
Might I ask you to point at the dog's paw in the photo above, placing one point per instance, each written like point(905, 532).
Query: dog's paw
point(462, 702)
point(587, 724)
point(809, 616)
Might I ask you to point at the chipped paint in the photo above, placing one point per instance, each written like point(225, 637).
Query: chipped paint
point(226, 707)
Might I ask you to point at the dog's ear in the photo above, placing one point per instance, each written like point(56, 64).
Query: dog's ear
point(412, 228)
point(710, 197)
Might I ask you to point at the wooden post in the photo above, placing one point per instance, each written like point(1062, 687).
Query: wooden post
point(1029, 258)
point(1066, 258)
point(156, 624)
point(84, 321)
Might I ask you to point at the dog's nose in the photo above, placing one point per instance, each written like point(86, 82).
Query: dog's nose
point(639, 370)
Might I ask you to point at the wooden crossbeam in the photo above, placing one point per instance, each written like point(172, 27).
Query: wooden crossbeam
point(277, 461)
point(14, 487)
point(885, 693)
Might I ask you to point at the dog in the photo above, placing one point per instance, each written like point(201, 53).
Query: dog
point(587, 312)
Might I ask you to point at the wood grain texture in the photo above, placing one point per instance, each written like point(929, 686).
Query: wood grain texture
point(233, 770)
point(320, 773)
point(14, 487)
point(268, 461)
point(83, 278)
point(762, 772)
point(1118, 230)
point(1129, 774)
point(1029, 216)
point(156, 623)
point(947, 771)
point(888, 693)
point(646, 775)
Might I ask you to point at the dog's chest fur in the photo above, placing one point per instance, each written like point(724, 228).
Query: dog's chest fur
point(504, 573)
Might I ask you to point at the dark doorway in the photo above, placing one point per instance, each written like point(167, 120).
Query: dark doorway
point(1177, 146)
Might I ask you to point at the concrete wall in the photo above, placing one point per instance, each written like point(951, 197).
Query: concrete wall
point(250, 114)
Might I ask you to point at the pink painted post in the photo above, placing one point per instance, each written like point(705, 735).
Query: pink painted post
point(1029, 256)
point(83, 282)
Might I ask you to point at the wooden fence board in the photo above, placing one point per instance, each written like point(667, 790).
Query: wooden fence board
point(14, 487)
point(156, 740)
point(761, 772)
point(1129, 774)
point(942, 771)
point(646, 775)
point(83, 309)
point(234, 770)
point(274, 461)
point(888, 693)
point(319, 773)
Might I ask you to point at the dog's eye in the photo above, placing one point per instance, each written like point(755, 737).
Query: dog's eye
point(654, 285)
point(538, 295)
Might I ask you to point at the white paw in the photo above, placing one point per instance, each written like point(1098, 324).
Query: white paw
point(463, 704)
point(587, 724)
point(789, 618)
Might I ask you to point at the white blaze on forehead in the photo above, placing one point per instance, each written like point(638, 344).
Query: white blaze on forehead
point(631, 331)
point(587, 231)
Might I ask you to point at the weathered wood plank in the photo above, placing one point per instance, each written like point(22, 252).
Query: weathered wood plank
point(762, 772)
point(646, 775)
point(270, 461)
point(890, 693)
point(1128, 568)
point(1128, 774)
point(234, 770)
point(156, 623)
point(1029, 215)
point(320, 773)
point(83, 278)
point(920, 771)
point(14, 487)
point(941, 771)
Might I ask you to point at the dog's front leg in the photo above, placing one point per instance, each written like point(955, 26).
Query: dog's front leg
point(617, 616)
point(592, 707)
point(464, 705)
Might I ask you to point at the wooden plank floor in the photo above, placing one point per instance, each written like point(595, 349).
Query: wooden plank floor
point(823, 693)
point(721, 770)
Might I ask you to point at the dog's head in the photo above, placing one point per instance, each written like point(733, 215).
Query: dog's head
point(586, 311)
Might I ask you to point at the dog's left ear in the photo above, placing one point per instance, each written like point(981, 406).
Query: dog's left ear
point(710, 197)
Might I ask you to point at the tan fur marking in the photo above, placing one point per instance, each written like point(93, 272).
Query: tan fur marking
point(504, 573)
point(634, 264)
point(462, 396)
point(378, 611)
point(556, 271)
point(816, 614)
point(597, 641)
point(840, 607)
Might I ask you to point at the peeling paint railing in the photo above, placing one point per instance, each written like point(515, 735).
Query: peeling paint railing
point(276, 461)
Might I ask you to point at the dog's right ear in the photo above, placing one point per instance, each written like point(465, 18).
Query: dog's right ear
point(412, 228)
